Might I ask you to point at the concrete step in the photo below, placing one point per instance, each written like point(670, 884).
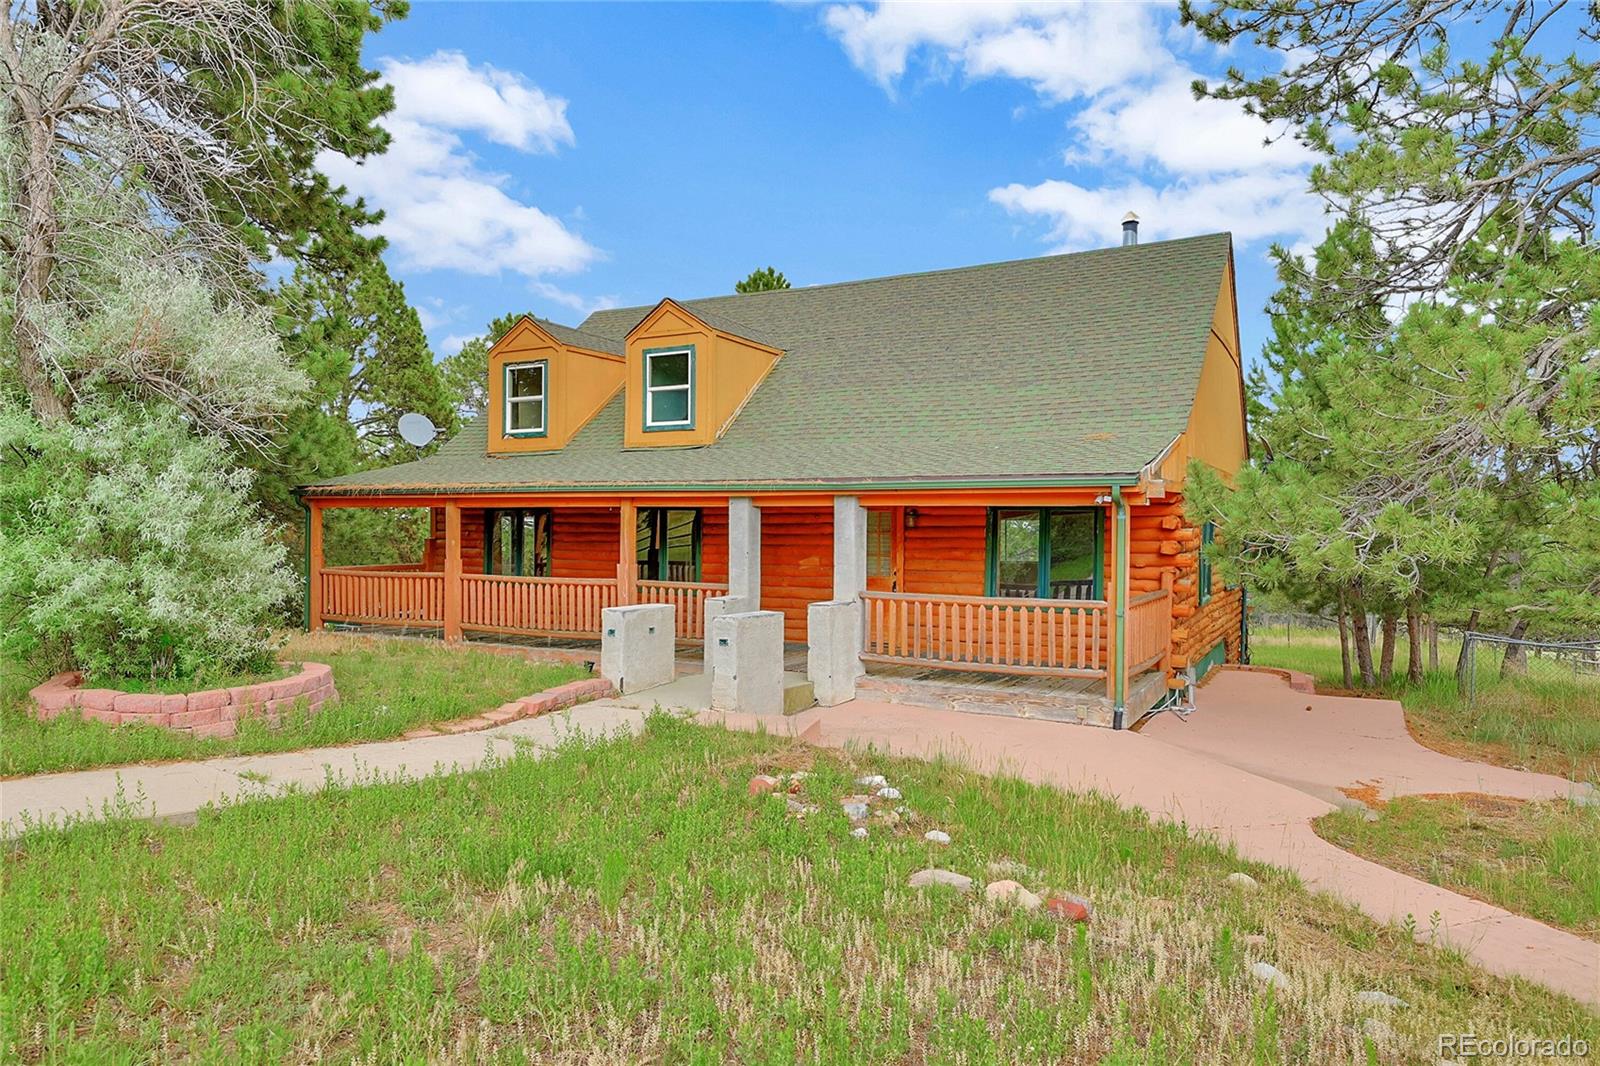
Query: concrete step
point(798, 694)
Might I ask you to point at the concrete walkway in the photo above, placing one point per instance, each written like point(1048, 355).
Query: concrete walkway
point(1282, 769)
point(176, 791)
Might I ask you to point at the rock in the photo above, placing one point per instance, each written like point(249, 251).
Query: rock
point(1072, 908)
point(1374, 998)
point(853, 811)
point(872, 781)
point(889, 817)
point(1008, 868)
point(795, 806)
point(1590, 798)
point(1243, 880)
point(936, 836)
point(859, 832)
point(933, 876)
point(1013, 893)
point(1267, 973)
point(888, 792)
point(761, 784)
point(1369, 815)
point(1377, 1030)
point(799, 775)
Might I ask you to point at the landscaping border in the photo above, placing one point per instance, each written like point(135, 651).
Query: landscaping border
point(551, 699)
point(208, 713)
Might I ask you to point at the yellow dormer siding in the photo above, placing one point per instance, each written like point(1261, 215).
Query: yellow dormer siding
point(1216, 433)
point(688, 378)
point(575, 382)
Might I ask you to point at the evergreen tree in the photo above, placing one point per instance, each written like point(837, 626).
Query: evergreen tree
point(466, 373)
point(764, 280)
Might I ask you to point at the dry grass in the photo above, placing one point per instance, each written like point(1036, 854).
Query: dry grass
point(628, 902)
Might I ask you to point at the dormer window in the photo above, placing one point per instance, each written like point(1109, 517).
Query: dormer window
point(669, 388)
point(525, 399)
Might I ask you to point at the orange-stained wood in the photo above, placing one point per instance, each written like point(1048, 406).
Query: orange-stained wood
point(452, 572)
point(314, 571)
point(628, 553)
point(1057, 638)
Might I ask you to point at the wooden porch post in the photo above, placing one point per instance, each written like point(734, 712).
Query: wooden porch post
point(1119, 548)
point(627, 553)
point(452, 571)
point(314, 566)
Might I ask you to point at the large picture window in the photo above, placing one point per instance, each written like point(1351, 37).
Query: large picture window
point(517, 543)
point(1051, 554)
point(525, 399)
point(669, 544)
point(669, 388)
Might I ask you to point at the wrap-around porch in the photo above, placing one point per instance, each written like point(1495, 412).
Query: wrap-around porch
point(955, 589)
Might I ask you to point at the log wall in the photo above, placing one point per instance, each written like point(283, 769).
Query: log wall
point(796, 563)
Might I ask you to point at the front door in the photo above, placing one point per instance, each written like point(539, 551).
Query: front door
point(885, 548)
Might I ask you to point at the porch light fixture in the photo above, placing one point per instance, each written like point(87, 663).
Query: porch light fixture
point(911, 518)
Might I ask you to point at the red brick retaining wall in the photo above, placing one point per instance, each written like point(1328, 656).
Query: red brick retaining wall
point(211, 713)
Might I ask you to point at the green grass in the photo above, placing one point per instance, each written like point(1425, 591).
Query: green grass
point(1538, 859)
point(386, 687)
point(628, 902)
point(172, 686)
point(1546, 721)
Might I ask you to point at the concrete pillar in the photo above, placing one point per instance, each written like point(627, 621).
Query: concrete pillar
point(849, 548)
point(833, 658)
point(716, 607)
point(850, 561)
point(747, 662)
point(637, 646)
point(744, 552)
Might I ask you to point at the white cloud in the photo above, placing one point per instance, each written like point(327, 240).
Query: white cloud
point(1275, 205)
point(453, 343)
point(1185, 165)
point(1163, 125)
point(1063, 50)
point(442, 209)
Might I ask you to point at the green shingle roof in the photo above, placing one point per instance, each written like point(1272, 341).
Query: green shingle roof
point(579, 338)
point(1061, 368)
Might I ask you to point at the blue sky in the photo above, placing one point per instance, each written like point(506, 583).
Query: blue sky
point(563, 157)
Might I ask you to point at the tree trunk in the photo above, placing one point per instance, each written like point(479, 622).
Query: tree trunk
point(1358, 618)
point(1433, 644)
point(1344, 640)
point(1515, 663)
point(1413, 643)
point(1462, 661)
point(1391, 624)
point(34, 262)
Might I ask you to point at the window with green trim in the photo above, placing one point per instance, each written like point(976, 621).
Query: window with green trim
point(517, 543)
point(669, 388)
point(668, 544)
point(1207, 535)
point(525, 399)
point(1052, 554)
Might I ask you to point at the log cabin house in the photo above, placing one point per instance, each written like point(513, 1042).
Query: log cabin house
point(1013, 437)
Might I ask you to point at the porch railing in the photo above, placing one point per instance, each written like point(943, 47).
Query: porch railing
point(1149, 629)
point(689, 600)
point(539, 606)
point(1059, 638)
point(385, 597)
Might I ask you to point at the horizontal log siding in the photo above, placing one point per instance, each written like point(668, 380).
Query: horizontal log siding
point(714, 545)
point(584, 542)
point(1162, 540)
point(945, 551)
point(796, 563)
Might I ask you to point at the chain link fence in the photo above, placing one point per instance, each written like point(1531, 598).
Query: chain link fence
point(1491, 656)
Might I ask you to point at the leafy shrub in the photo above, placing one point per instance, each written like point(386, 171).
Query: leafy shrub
point(129, 546)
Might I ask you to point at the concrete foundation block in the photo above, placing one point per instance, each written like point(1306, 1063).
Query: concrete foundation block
point(637, 646)
point(716, 607)
point(747, 662)
point(833, 658)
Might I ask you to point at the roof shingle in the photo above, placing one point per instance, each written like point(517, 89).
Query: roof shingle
point(1069, 366)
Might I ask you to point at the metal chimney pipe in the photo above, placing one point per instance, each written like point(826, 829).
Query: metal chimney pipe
point(1130, 229)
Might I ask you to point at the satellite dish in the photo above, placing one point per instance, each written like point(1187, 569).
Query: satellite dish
point(417, 430)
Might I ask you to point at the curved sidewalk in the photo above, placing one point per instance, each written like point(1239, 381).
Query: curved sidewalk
point(1227, 772)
